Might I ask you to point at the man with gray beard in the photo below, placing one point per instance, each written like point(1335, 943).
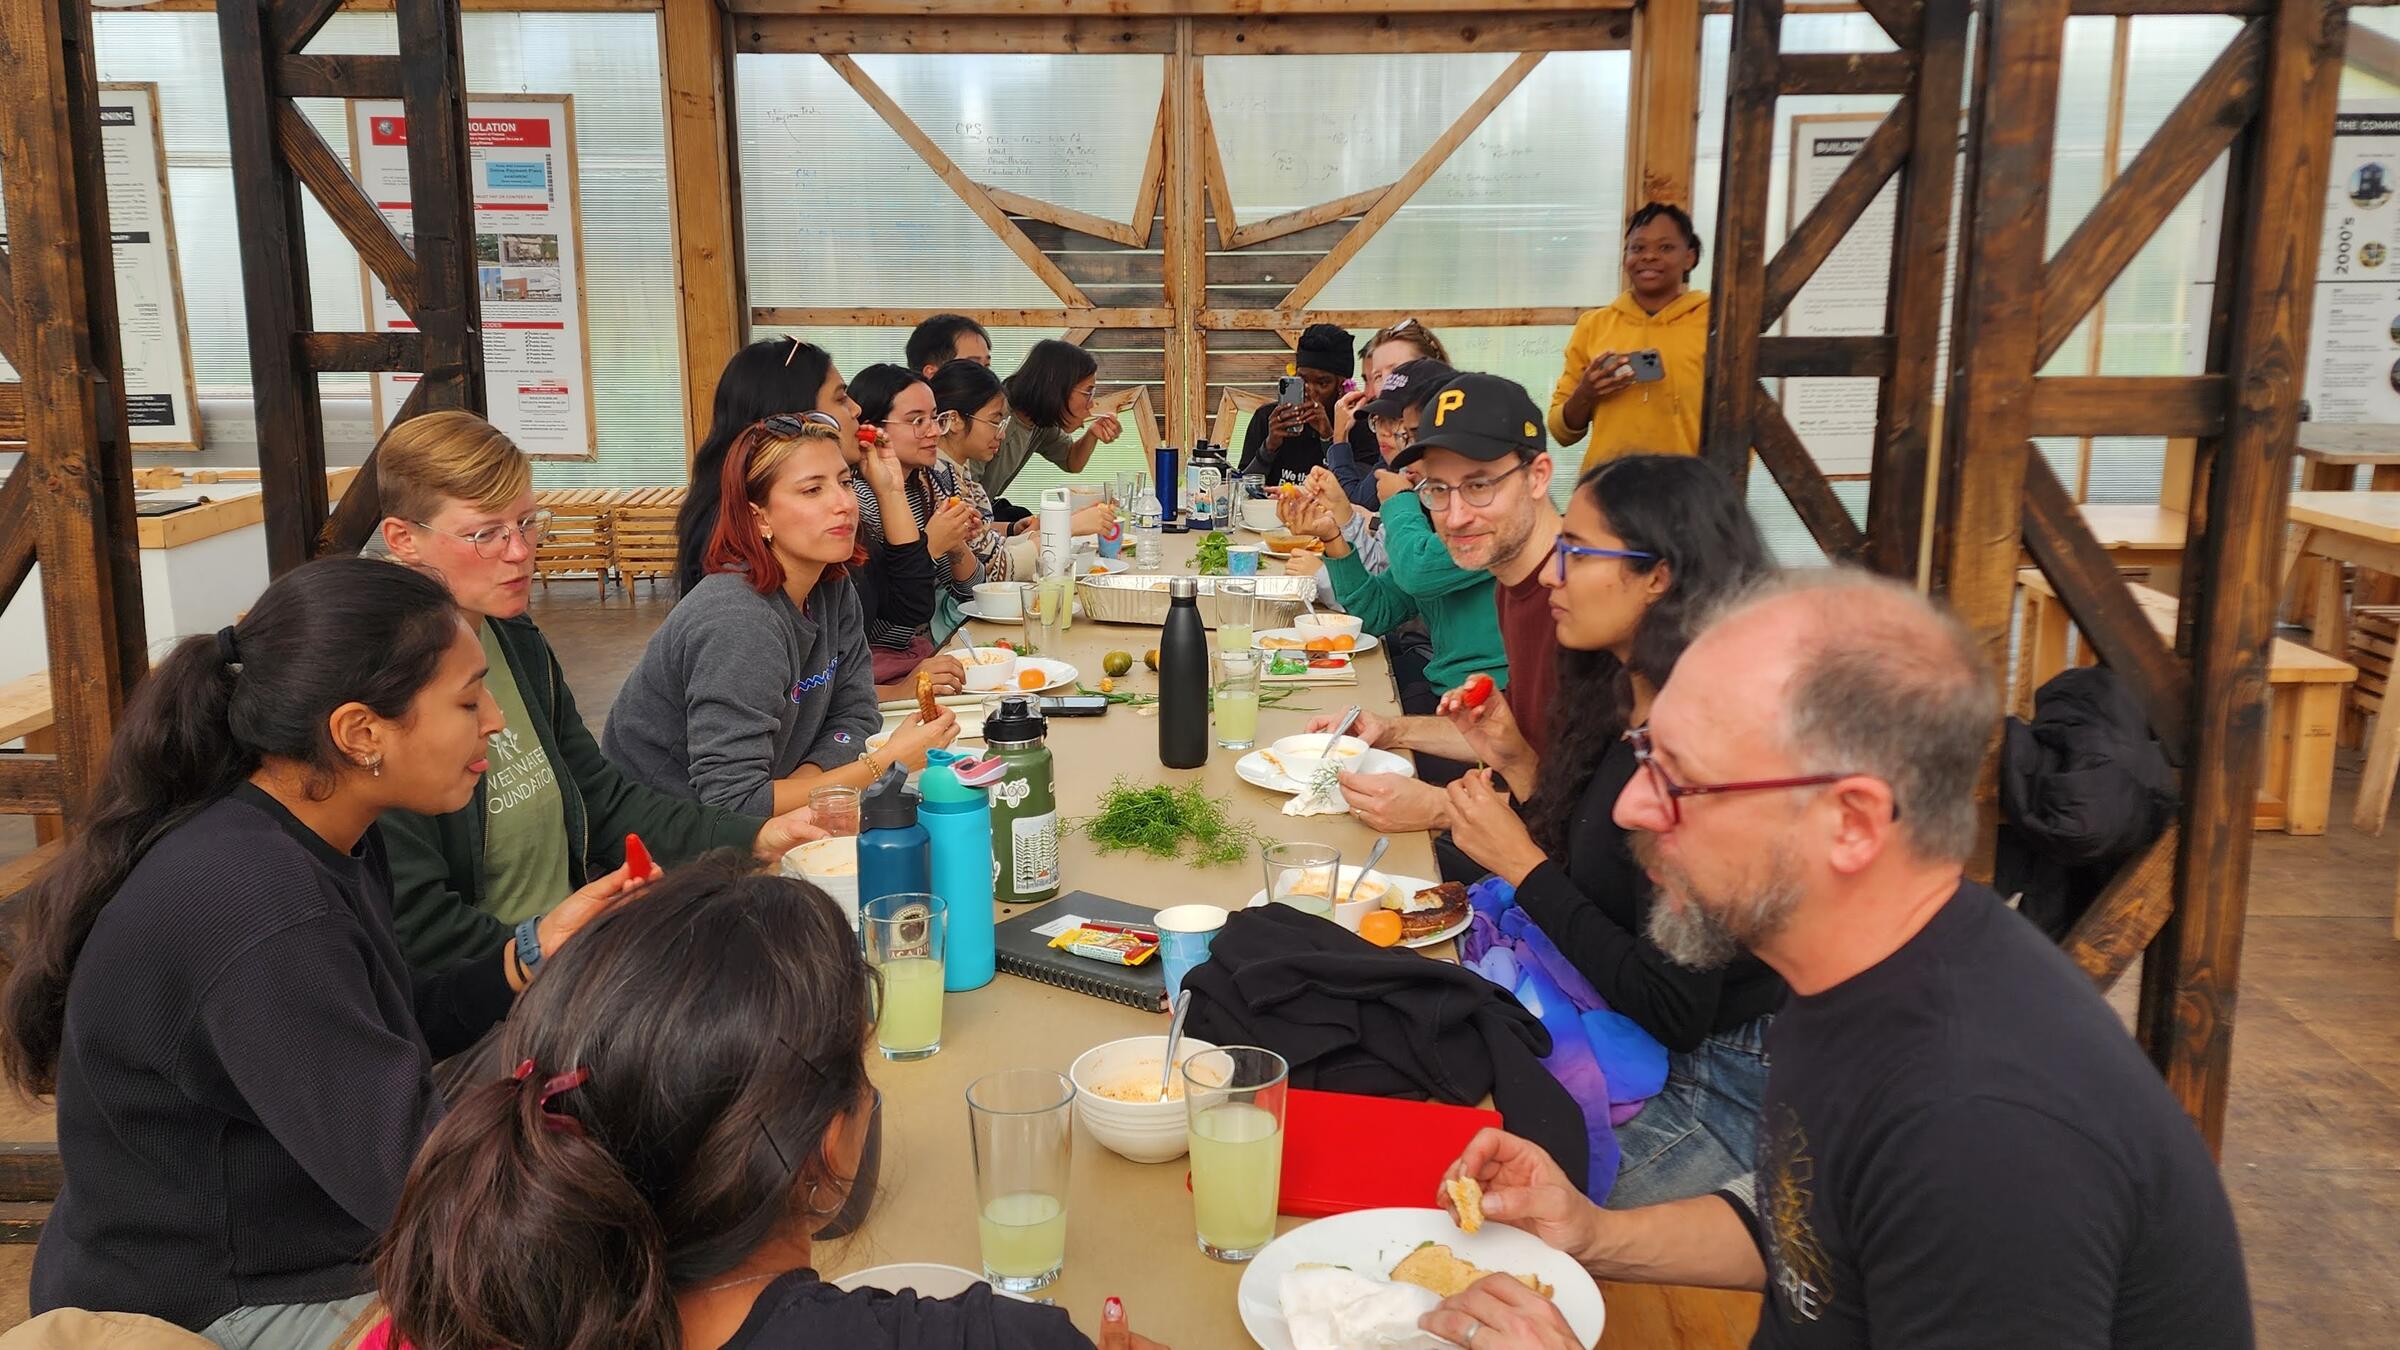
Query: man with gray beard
point(1960, 1145)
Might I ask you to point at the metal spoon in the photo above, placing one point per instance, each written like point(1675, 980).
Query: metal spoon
point(1374, 856)
point(1342, 728)
point(1166, 1071)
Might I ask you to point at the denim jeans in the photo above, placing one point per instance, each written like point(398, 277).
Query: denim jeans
point(289, 1326)
point(1701, 1130)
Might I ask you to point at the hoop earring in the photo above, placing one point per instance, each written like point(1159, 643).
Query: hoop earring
point(809, 1202)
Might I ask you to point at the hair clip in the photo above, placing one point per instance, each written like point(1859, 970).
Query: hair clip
point(553, 1119)
point(795, 351)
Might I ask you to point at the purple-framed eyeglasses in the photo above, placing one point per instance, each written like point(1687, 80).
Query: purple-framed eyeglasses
point(1563, 550)
point(1673, 793)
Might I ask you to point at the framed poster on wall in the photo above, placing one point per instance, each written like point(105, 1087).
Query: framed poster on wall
point(1836, 417)
point(161, 409)
point(528, 260)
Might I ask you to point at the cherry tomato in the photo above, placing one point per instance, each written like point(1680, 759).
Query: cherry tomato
point(1476, 691)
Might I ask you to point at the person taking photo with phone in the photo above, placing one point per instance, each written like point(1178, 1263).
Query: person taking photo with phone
point(1287, 438)
point(1634, 371)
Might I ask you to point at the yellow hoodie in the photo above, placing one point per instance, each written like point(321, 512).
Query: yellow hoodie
point(1662, 417)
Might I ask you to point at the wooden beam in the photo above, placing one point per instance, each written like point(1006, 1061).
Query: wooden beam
point(1905, 422)
point(2215, 110)
point(1389, 204)
point(1813, 500)
point(2128, 914)
point(8, 310)
point(360, 510)
point(1231, 404)
point(2373, 53)
point(1306, 218)
point(1379, 32)
point(838, 316)
point(16, 535)
point(338, 76)
point(1269, 320)
point(1212, 171)
point(1189, 11)
point(1065, 217)
point(1847, 198)
point(1861, 357)
point(292, 23)
point(1728, 424)
point(12, 413)
point(2094, 593)
point(701, 182)
point(363, 351)
point(2192, 971)
point(31, 1170)
point(31, 785)
point(351, 211)
point(866, 35)
point(1154, 167)
point(1903, 21)
point(442, 205)
point(1808, 73)
point(2120, 405)
point(977, 201)
point(1662, 143)
point(1185, 238)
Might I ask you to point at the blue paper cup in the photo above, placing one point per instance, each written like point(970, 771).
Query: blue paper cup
point(1241, 560)
point(1185, 933)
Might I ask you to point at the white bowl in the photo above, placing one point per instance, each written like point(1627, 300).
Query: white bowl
point(1002, 599)
point(990, 669)
point(927, 1278)
point(1328, 625)
point(1145, 1132)
point(1370, 895)
point(830, 865)
point(1300, 755)
point(1259, 514)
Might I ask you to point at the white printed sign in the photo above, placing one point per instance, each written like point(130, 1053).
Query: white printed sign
point(1836, 417)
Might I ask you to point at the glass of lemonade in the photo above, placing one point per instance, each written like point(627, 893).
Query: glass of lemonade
point(1302, 875)
point(1235, 693)
point(1022, 1124)
point(903, 936)
point(1233, 1103)
point(1237, 614)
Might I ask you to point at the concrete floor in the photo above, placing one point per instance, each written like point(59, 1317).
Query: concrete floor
point(2312, 1139)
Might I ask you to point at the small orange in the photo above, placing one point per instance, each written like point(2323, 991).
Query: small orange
point(1031, 679)
point(1381, 928)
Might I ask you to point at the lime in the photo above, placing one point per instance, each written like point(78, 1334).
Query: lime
point(1116, 663)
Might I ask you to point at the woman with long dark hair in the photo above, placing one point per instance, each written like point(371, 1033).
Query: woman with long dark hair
point(689, 1111)
point(1650, 543)
point(209, 980)
point(898, 402)
point(1050, 414)
point(770, 376)
point(758, 688)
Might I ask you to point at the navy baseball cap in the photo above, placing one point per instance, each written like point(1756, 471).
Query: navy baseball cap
point(1407, 385)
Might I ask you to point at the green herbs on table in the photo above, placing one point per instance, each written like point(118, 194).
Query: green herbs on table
point(1268, 698)
point(1163, 821)
point(1210, 560)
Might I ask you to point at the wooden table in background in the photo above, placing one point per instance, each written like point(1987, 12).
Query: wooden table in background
point(2330, 458)
point(1129, 1225)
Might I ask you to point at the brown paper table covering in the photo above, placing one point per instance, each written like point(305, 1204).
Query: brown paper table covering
point(1129, 1225)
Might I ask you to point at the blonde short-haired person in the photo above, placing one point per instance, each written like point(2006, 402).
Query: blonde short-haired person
point(553, 812)
point(1959, 1145)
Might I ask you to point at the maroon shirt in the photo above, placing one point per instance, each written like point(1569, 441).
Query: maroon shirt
point(1530, 637)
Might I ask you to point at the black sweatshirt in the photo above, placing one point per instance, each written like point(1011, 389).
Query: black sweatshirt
point(1596, 907)
point(798, 1312)
point(1286, 463)
point(245, 1076)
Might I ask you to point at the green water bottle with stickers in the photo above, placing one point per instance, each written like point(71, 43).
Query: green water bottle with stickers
point(1024, 804)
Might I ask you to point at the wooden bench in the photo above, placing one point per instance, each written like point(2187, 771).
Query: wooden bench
point(2304, 688)
point(25, 714)
point(577, 544)
point(643, 542)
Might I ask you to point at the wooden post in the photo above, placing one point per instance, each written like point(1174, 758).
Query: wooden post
point(1737, 297)
point(441, 192)
point(77, 463)
point(1662, 142)
point(1186, 244)
point(699, 98)
point(2192, 971)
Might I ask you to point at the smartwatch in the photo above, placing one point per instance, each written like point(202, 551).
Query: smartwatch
point(529, 944)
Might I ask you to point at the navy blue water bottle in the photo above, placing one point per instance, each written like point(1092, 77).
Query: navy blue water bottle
point(1168, 462)
point(895, 855)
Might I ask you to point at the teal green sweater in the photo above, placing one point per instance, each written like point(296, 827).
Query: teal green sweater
point(1423, 582)
point(437, 861)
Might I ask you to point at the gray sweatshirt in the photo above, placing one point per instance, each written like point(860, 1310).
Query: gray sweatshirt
point(739, 689)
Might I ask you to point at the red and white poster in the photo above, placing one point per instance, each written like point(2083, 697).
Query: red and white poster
point(528, 261)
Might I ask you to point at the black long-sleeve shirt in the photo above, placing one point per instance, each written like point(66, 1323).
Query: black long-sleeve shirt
point(1595, 904)
point(1286, 463)
point(246, 1073)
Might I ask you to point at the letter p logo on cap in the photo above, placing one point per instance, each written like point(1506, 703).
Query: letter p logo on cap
point(1447, 402)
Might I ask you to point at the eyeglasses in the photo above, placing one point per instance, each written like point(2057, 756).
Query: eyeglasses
point(1673, 793)
point(914, 421)
point(954, 421)
point(492, 540)
point(1478, 491)
point(1564, 550)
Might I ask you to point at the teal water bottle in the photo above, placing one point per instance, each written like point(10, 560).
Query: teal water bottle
point(958, 817)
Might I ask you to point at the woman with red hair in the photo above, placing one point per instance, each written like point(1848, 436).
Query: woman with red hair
point(758, 688)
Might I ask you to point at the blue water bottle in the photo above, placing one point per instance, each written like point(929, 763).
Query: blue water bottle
point(958, 817)
point(1169, 478)
point(895, 855)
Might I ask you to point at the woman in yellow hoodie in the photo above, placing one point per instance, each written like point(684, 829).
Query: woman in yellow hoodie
point(1597, 391)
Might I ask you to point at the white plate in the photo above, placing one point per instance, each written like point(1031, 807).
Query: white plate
point(1258, 770)
point(971, 610)
point(1367, 642)
point(1411, 885)
point(1372, 1241)
point(928, 1279)
point(1059, 673)
point(1266, 552)
point(1112, 566)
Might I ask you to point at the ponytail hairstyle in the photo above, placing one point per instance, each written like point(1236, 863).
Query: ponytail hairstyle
point(738, 545)
point(335, 631)
point(683, 1065)
point(1688, 514)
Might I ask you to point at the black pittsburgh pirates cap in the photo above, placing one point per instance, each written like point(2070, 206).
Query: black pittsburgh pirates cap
point(1484, 417)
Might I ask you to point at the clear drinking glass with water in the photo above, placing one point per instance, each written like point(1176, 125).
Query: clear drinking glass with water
point(1237, 613)
point(1302, 876)
point(903, 935)
point(1022, 1127)
point(1233, 1100)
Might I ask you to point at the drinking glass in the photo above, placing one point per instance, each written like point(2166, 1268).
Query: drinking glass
point(1301, 875)
point(1132, 487)
point(1235, 693)
point(904, 934)
point(1233, 1101)
point(1237, 611)
point(1022, 1125)
point(835, 809)
point(1054, 613)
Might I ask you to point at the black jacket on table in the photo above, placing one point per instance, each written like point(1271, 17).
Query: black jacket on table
point(246, 1073)
point(2083, 788)
point(800, 1312)
point(1384, 1022)
point(1595, 904)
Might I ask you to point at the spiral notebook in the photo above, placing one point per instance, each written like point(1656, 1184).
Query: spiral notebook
point(1021, 948)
